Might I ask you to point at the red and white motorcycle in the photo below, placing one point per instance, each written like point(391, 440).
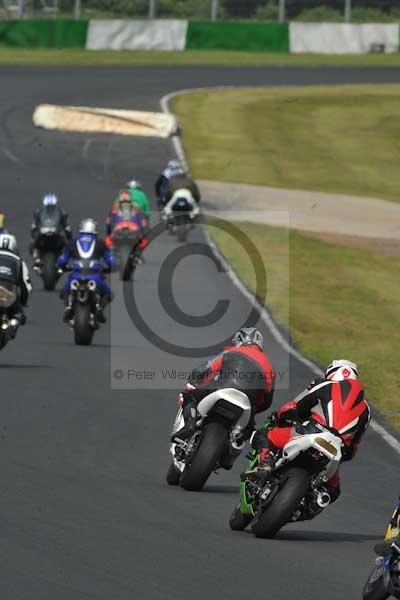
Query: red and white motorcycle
point(221, 415)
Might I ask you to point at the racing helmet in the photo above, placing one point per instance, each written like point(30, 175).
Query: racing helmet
point(248, 336)
point(124, 196)
point(341, 369)
point(174, 165)
point(88, 226)
point(50, 200)
point(8, 242)
point(134, 184)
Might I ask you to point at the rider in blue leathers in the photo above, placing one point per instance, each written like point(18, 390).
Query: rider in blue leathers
point(85, 253)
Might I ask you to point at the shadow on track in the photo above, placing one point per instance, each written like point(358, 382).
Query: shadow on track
point(16, 366)
point(222, 489)
point(326, 536)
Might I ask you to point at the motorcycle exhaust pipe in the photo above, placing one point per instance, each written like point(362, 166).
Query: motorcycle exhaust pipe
point(74, 284)
point(92, 285)
point(323, 499)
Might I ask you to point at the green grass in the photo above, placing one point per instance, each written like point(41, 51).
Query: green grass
point(342, 139)
point(78, 57)
point(341, 302)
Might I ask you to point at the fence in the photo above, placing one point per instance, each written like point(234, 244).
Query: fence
point(261, 10)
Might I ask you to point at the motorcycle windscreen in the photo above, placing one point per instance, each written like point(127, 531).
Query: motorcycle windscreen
point(8, 293)
point(9, 268)
point(50, 219)
point(181, 205)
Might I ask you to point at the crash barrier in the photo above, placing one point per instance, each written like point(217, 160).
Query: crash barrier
point(256, 37)
point(44, 33)
point(158, 34)
point(179, 35)
point(343, 38)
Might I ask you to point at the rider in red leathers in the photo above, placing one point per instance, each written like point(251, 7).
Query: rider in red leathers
point(243, 366)
point(336, 402)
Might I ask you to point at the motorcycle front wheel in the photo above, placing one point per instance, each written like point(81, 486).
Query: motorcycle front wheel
point(206, 456)
point(49, 271)
point(375, 588)
point(238, 521)
point(173, 475)
point(268, 522)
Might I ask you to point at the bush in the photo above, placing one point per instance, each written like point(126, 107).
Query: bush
point(320, 14)
point(268, 12)
point(373, 15)
point(182, 9)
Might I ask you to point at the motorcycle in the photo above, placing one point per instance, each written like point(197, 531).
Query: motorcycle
point(180, 213)
point(8, 325)
point(50, 243)
point(124, 239)
point(84, 298)
point(384, 580)
point(212, 445)
point(294, 490)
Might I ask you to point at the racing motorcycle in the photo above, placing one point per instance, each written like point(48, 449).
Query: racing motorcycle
point(219, 416)
point(180, 213)
point(85, 299)
point(294, 490)
point(50, 243)
point(8, 325)
point(384, 580)
point(125, 238)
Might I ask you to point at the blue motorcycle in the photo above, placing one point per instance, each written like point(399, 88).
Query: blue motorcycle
point(384, 580)
point(85, 288)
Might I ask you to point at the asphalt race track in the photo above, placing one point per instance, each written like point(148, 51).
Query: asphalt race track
point(84, 510)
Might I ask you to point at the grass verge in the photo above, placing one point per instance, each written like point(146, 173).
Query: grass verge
point(343, 139)
point(124, 58)
point(341, 302)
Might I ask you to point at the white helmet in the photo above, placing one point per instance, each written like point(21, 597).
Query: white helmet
point(247, 336)
point(50, 200)
point(88, 226)
point(174, 165)
point(8, 242)
point(341, 369)
point(134, 184)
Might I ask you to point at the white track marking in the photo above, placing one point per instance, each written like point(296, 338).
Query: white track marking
point(12, 156)
point(264, 315)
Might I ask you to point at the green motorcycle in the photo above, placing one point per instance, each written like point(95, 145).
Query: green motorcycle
point(294, 490)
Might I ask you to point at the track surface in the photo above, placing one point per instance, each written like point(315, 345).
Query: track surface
point(84, 511)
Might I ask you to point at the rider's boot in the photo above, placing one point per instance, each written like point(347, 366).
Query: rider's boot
point(189, 415)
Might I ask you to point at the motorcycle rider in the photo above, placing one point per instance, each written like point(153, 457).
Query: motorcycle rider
point(336, 402)
point(242, 365)
point(172, 179)
point(87, 246)
point(50, 208)
point(2, 226)
point(125, 210)
point(139, 198)
point(15, 271)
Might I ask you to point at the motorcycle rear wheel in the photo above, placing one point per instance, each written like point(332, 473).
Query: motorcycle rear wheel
point(207, 454)
point(83, 332)
point(125, 263)
point(375, 588)
point(49, 271)
point(278, 513)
